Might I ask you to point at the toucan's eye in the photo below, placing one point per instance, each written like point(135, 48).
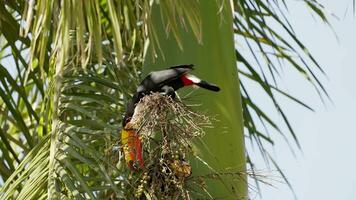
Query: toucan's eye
point(127, 120)
point(140, 95)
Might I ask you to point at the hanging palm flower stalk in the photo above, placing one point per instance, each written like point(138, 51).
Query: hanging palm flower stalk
point(167, 128)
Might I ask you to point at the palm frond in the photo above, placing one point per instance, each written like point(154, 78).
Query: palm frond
point(22, 120)
point(51, 44)
point(84, 125)
point(263, 28)
point(86, 130)
point(28, 181)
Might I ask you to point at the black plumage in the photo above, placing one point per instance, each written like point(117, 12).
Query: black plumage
point(166, 81)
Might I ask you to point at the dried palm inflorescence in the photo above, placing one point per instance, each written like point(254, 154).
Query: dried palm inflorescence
point(166, 128)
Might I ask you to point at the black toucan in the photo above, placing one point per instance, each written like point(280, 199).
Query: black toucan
point(166, 81)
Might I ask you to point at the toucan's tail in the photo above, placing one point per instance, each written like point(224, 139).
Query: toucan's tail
point(189, 79)
point(132, 147)
point(208, 86)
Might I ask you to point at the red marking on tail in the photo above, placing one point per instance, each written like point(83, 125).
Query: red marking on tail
point(186, 80)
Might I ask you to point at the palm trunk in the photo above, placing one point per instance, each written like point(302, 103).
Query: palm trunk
point(223, 146)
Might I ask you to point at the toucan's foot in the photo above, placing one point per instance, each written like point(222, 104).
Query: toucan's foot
point(169, 91)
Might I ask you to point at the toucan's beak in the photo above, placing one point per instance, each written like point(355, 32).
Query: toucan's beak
point(132, 147)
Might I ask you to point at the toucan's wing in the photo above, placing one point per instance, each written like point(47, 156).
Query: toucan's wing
point(190, 66)
point(155, 80)
point(164, 76)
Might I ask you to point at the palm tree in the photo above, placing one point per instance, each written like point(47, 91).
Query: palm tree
point(68, 67)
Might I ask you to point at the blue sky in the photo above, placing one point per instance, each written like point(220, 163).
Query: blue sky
point(326, 167)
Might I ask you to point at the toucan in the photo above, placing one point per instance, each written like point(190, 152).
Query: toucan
point(166, 81)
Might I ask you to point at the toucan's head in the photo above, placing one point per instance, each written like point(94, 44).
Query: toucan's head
point(125, 120)
point(130, 107)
